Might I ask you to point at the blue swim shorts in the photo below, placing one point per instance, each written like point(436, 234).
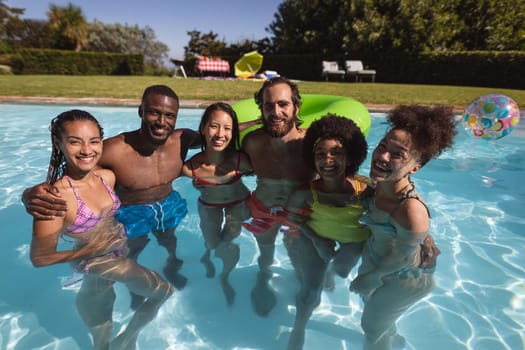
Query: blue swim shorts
point(141, 219)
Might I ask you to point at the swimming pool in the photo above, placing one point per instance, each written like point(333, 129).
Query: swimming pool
point(476, 199)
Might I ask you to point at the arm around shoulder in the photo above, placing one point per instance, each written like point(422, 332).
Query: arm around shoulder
point(186, 169)
point(44, 202)
point(190, 139)
point(245, 125)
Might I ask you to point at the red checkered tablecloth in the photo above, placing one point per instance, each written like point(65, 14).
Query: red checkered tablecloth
point(206, 64)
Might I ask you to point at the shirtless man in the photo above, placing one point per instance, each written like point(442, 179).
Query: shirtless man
point(145, 162)
point(276, 154)
point(275, 151)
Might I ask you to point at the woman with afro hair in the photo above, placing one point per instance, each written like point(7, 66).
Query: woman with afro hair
point(391, 277)
point(327, 212)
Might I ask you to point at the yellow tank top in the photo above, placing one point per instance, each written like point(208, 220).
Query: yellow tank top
point(338, 223)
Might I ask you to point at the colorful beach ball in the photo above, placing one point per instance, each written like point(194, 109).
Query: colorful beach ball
point(491, 116)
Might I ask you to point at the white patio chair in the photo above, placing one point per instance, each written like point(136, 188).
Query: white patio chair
point(355, 69)
point(332, 68)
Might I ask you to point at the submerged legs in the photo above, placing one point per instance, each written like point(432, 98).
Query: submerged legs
point(262, 295)
point(104, 272)
point(168, 240)
point(311, 269)
point(94, 302)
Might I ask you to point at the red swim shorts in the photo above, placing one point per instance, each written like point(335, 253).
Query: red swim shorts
point(264, 218)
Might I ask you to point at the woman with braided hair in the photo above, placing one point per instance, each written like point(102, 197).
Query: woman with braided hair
point(100, 250)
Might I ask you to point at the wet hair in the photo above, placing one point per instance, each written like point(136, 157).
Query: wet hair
point(221, 106)
point(57, 163)
point(296, 98)
point(432, 129)
point(159, 90)
point(332, 126)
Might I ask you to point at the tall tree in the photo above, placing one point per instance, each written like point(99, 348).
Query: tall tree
point(491, 24)
point(7, 14)
point(9, 18)
point(70, 25)
point(378, 27)
point(29, 33)
point(306, 26)
point(124, 38)
point(407, 26)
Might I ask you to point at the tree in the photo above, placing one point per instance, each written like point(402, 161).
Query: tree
point(127, 39)
point(8, 14)
point(9, 17)
point(204, 44)
point(307, 26)
point(406, 26)
point(208, 45)
point(239, 48)
point(29, 33)
point(381, 27)
point(70, 26)
point(491, 24)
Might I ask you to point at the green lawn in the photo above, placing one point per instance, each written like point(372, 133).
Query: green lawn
point(233, 90)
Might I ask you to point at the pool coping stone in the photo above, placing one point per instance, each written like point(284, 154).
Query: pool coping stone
point(374, 108)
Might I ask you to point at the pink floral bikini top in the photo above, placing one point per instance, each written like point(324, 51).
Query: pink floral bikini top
point(86, 219)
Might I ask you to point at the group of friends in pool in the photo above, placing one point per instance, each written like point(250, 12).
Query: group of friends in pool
point(108, 195)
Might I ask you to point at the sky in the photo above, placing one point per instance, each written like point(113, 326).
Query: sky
point(231, 20)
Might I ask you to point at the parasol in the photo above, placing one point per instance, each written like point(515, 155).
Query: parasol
point(248, 64)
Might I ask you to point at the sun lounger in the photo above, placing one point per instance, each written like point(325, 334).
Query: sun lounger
point(331, 68)
point(355, 69)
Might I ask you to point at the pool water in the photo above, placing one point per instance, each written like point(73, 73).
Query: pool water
point(477, 202)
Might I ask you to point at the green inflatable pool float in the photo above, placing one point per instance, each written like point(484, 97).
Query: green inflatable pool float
point(313, 107)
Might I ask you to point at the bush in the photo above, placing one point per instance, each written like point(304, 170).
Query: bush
point(44, 61)
point(502, 69)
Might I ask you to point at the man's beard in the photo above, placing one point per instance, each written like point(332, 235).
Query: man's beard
point(278, 131)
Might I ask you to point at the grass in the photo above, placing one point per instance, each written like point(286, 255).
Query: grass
point(131, 87)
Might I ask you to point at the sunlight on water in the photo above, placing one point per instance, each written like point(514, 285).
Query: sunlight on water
point(477, 204)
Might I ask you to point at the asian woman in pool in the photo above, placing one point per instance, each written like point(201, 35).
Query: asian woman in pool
point(390, 278)
point(99, 251)
point(327, 212)
point(216, 174)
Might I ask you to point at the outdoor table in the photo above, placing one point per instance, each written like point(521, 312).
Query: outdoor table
point(207, 64)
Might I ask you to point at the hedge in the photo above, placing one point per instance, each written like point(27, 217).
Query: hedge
point(45, 61)
point(501, 69)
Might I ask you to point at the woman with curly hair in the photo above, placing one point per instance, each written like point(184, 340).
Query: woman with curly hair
point(390, 278)
point(327, 212)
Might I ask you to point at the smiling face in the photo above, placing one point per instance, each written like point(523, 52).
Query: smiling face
point(330, 159)
point(81, 145)
point(159, 114)
point(279, 112)
point(394, 157)
point(217, 131)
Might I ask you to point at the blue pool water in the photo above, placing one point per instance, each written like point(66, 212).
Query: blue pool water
point(476, 198)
